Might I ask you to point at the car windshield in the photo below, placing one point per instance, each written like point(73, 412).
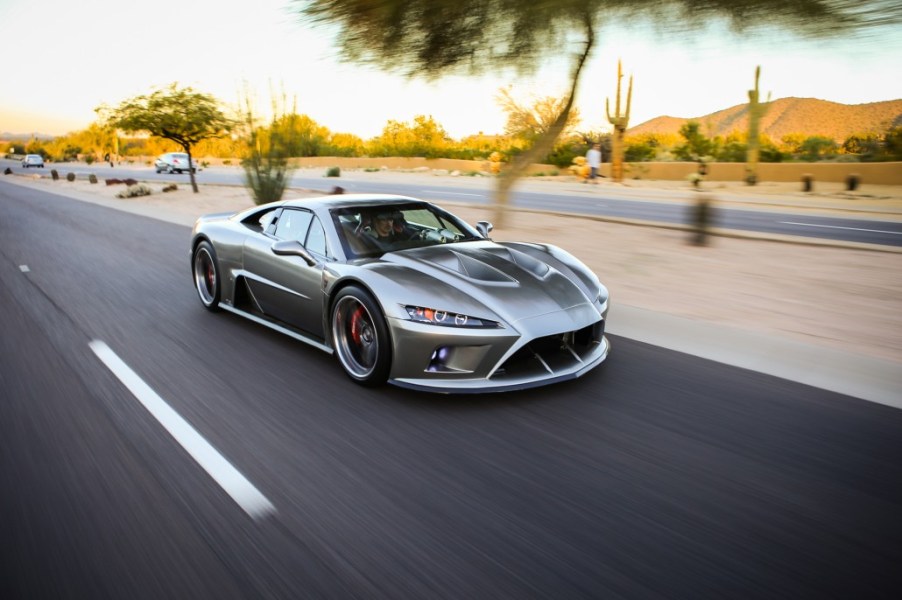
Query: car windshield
point(372, 230)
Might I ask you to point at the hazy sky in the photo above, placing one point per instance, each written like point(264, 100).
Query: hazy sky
point(63, 58)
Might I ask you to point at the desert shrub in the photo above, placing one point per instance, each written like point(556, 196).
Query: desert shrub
point(170, 188)
point(89, 158)
point(333, 172)
point(92, 178)
point(70, 176)
point(133, 191)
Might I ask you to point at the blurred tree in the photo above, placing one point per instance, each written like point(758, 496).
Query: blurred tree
point(308, 138)
point(530, 122)
point(697, 146)
point(179, 114)
point(265, 162)
point(792, 142)
point(892, 144)
point(423, 137)
point(432, 38)
point(817, 147)
point(344, 144)
point(865, 145)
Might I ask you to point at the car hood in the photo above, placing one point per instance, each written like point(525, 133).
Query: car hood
point(515, 282)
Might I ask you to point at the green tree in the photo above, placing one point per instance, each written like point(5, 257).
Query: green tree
point(432, 38)
point(181, 115)
point(816, 147)
point(865, 145)
point(697, 146)
point(892, 143)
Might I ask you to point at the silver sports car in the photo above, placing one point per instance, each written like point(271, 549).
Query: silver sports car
point(405, 292)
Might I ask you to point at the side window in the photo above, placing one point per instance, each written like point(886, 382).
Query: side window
point(293, 224)
point(316, 238)
point(266, 220)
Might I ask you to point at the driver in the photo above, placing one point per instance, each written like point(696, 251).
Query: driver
point(384, 226)
point(388, 226)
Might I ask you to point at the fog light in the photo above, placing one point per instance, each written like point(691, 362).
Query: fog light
point(439, 359)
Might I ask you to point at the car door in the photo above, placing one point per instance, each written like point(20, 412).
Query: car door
point(287, 287)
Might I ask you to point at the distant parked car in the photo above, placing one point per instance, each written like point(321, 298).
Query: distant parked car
point(174, 162)
point(33, 160)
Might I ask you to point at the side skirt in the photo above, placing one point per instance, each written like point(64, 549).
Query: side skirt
point(275, 326)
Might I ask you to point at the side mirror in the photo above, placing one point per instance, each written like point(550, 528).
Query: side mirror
point(484, 228)
point(293, 248)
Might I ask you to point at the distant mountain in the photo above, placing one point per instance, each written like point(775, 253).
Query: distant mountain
point(808, 116)
point(24, 137)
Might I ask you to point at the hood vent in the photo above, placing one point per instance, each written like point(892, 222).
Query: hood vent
point(523, 260)
point(481, 271)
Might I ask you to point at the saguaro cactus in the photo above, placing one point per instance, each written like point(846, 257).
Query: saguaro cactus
point(756, 111)
point(620, 121)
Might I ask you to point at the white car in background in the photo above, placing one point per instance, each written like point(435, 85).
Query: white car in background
point(33, 160)
point(174, 162)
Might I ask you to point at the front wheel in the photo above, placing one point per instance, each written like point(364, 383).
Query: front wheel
point(360, 337)
point(206, 276)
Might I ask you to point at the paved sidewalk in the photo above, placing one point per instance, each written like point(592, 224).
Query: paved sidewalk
point(827, 317)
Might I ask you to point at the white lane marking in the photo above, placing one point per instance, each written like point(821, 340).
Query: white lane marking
point(24, 268)
point(451, 193)
point(840, 227)
point(234, 483)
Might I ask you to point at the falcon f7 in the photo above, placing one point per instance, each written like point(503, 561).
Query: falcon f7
point(402, 291)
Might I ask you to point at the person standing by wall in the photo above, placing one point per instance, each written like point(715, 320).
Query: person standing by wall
point(593, 159)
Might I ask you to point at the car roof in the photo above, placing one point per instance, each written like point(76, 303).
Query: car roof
point(346, 200)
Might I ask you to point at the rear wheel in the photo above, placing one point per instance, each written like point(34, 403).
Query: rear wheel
point(206, 276)
point(360, 336)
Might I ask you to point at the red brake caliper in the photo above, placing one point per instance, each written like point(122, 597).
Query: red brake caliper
point(357, 324)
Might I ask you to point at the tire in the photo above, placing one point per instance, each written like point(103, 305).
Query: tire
point(205, 268)
point(360, 337)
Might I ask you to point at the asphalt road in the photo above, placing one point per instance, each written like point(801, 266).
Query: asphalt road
point(587, 200)
point(659, 475)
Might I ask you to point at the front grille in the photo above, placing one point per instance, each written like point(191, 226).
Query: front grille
point(552, 354)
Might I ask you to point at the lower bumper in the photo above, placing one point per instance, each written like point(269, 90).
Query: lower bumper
point(484, 385)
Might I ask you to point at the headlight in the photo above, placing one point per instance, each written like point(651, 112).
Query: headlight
point(447, 319)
